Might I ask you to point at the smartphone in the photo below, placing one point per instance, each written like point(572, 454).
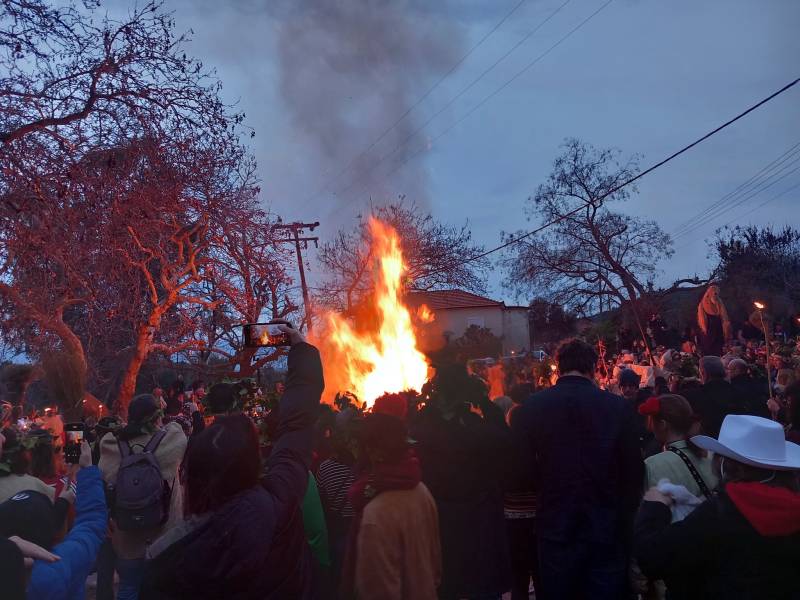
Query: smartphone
point(75, 433)
point(265, 335)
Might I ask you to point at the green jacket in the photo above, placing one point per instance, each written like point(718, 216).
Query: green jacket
point(314, 523)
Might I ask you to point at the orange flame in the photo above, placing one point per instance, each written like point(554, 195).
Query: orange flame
point(425, 314)
point(385, 360)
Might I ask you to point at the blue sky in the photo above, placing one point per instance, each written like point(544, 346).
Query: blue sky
point(645, 76)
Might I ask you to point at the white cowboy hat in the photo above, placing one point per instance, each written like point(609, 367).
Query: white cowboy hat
point(753, 441)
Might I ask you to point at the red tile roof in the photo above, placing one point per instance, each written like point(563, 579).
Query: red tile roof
point(444, 299)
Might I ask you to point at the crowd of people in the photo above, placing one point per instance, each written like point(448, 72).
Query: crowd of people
point(638, 480)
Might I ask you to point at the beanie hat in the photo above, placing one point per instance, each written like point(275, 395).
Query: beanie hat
point(629, 377)
point(394, 405)
point(31, 516)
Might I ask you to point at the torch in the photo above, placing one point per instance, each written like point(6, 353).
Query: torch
point(760, 306)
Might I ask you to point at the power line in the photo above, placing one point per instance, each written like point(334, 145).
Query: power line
point(764, 173)
point(738, 202)
point(486, 99)
point(625, 183)
point(421, 99)
point(763, 204)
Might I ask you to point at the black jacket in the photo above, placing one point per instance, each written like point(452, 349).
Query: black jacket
point(754, 394)
point(581, 445)
point(713, 401)
point(254, 546)
point(463, 462)
point(715, 553)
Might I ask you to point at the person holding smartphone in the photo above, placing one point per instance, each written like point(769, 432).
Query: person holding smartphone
point(242, 534)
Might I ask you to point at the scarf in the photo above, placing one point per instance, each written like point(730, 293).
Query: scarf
point(404, 474)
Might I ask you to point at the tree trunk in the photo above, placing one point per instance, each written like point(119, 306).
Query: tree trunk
point(128, 386)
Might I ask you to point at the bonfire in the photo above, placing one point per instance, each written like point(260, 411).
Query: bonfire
point(384, 359)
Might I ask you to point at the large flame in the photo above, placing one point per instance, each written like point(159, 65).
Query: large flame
point(387, 359)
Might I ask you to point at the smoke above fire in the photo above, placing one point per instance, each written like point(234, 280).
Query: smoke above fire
point(351, 69)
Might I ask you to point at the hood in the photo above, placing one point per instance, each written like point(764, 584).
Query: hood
point(772, 511)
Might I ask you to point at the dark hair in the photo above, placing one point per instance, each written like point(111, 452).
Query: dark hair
point(576, 355)
point(661, 386)
point(222, 398)
point(453, 384)
point(221, 461)
point(43, 462)
point(792, 393)
point(142, 413)
point(713, 367)
point(14, 454)
point(385, 436)
point(521, 392)
point(677, 412)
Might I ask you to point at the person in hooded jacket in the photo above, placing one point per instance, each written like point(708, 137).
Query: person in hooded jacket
point(745, 542)
point(242, 536)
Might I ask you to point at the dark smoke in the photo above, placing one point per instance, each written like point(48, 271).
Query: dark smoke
point(351, 68)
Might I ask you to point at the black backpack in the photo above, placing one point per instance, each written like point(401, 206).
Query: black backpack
point(141, 496)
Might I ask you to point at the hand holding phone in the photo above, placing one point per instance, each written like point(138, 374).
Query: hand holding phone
point(75, 434)
point(275, 334)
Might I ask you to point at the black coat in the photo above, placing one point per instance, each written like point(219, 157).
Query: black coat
point(254, 546)
point(582, 448)
point(713, 401)
point(754, 394)
point(715, 553)
point(463, 462)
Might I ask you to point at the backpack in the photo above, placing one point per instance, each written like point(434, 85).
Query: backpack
point(141, 496)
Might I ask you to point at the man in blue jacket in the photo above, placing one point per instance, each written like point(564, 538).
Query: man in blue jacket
point(580, 447)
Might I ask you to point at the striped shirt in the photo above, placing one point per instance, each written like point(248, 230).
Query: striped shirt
point(334, 480)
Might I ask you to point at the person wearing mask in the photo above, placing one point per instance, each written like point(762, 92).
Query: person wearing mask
point(580, 446)
point(464, 455)
point(242, 534)
point(754, 392)
point(144, 426)
point(394, 551)
point(671, 420)
point(744, 543)
point(716, 398)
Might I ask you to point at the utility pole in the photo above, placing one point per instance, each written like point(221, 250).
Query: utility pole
point(296, 230)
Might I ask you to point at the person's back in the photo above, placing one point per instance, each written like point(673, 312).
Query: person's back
point(587, 457)
point(582, 446)
point(716, 398)
point(242, 535)
point(744, 543)
point(398, 546)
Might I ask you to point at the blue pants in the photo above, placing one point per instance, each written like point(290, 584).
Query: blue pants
point(130, 578)
point(578, 570)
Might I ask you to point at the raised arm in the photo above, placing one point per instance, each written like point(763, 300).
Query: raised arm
point(287, 466)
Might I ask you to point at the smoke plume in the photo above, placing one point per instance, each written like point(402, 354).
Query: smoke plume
point(348, 70)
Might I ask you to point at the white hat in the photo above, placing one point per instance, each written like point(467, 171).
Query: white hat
point(753, 441)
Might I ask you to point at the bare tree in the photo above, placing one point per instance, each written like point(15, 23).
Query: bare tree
point(435, 256)
point(594, 257)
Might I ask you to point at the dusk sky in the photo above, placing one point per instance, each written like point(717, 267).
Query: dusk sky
point(320, 81)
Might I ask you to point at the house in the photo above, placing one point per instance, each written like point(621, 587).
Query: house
point(456, 310)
